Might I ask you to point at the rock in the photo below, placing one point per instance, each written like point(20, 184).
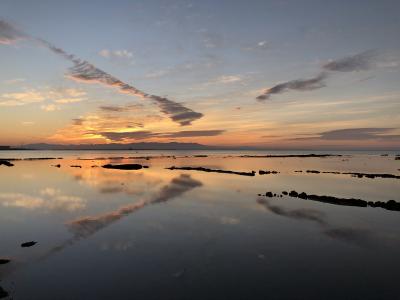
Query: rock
point(302, 195)
point(293, 194)
point(6, 163)
point(268, 194)
point(124, 166)
point(261, 172)
point(57, 166)
point(313, 171)
point(4, 261)
point(3, 293)
point(28, 244)
point(284, 192)
point(252, 173)
point(75, 166)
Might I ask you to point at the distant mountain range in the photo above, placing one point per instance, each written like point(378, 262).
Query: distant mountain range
point(132, 146)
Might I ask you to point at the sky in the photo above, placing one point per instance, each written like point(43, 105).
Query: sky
point(262, 73)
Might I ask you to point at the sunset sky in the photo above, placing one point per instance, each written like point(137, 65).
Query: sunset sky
point(255, 73)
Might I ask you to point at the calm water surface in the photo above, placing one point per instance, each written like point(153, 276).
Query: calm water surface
point(171, 234)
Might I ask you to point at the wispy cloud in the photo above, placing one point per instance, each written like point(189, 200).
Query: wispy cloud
point(119, 54)
point(228, 79)
point(14, 81)
point(363, 61)
point(359, 62)
point(298, 85)
point(50, 107)
point(21, 98)
point(356, 134)
point(59, 96)
point(145, 134)
point(9, 34)
point(83, 71)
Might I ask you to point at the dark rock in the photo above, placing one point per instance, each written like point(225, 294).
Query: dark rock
point(373, 175)
point(124, 167)
point(6, 163)
point(313, 171)
point(252, 173)
point(293, 194)
point(293, 155)
point(57, 166)
point(299, 171)
point(261, 172)
point(75, 166)
point(268, 194)
point(28, 244)
point(4, 261)
point(302, 195)
point(3, 293)
point(284, 192)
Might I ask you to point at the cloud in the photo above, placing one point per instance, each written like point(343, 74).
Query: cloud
point(298, 85)
point(139, 135)
point(115, 108)
point(21, 98)
point(119, 54)
point(50, 107)
point(14, 81)
point(356, 134)
point(83, 71)
point(363, 61)
point(9, 34)
point(228, 79)
point(60, 96)
point(27, 123)
point(86, 226)
point(359, 62)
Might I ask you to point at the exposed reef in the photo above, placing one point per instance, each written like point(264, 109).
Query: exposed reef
point(28, 244)
point(4, 261)
point(124, 166)
point(6, 163)
point(202, 169)
point(267, 172)
point(293, 155)
point(389, 205)
point(356, 174)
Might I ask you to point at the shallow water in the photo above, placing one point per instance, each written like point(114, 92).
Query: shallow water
point(173, 234)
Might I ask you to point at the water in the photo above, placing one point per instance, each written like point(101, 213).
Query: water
point(173, 234)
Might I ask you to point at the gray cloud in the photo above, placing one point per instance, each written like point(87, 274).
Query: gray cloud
point(355, 134)
point(144, 134)
point(359, 62)
point(298, 85)
point(9, 34)
point(85, 72)
point(116, 108)
point(78, 121)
